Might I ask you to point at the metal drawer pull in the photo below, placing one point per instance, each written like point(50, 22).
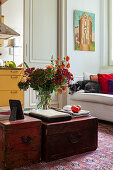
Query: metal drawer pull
point(77, 140)
point(14, 71)
point(14, 77)
point(13, 91)
point(26, 140)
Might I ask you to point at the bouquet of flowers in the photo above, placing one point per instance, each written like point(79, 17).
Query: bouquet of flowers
point(54, 77)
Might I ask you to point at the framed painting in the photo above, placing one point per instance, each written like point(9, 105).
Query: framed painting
point(84, 31)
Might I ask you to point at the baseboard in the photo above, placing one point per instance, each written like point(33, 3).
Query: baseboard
point(105, 122)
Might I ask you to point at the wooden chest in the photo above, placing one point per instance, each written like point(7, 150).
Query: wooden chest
point(20, 142)
point(68, 138)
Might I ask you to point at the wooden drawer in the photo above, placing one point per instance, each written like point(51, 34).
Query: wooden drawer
point(70, 138)
point(11, 72)
point(9, 82)
point(23, 140)
point(13, 94)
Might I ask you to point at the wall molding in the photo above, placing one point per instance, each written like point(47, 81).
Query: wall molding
point(62, 28)
point(62, 40)
point(31, 38)
point(104, 43)
point(31, 54)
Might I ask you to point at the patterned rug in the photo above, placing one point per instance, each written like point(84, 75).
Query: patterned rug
point(100, 159)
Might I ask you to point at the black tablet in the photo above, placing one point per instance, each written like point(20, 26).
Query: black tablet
point(16, 110)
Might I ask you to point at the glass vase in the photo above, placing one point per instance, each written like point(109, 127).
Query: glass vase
point(43, 101)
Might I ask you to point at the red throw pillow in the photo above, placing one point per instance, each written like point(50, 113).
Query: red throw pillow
point(103, 80)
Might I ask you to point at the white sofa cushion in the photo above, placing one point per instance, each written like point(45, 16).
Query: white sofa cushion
point(86, 75)
point(93, 97)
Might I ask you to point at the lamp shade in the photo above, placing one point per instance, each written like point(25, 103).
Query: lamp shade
point(13, 43)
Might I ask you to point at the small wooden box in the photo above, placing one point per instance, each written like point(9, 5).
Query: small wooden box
point(68, 138)
point(20, 142)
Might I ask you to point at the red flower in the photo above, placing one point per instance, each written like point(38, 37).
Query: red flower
point(30, 70)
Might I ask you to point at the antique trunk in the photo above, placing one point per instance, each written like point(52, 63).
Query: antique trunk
point(68, 138)
point(20, 142)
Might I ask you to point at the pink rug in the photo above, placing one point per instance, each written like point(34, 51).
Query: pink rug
point(100, 159)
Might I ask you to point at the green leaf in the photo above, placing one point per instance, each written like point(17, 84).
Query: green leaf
point(26, 64)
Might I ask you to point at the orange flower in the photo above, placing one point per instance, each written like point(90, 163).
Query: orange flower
point(64, 88)
point(56, 61)
point(63, 66)
point(49, 67)
point(59, 90)
point(67, 58)
point(64, 91)
point(68, 66)
point(58, 58)
point(19, 65)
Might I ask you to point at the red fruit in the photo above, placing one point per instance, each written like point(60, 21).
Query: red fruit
point(75, 109)
point(79, 107)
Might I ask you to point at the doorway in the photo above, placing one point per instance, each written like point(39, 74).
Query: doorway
point(12, 50)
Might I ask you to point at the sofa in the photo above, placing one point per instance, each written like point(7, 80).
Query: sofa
point(100, 105)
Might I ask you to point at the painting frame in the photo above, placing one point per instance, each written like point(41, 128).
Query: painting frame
point(84, 31)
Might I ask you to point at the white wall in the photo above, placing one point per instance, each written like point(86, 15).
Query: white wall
point(83, 61)
point(13, 17)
